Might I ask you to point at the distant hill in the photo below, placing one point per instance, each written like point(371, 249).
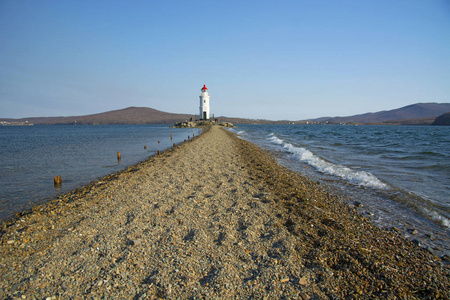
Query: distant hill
point(416, 113)
point(442, 120)
point(130, 115)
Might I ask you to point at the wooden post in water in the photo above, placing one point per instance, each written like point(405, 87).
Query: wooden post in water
point(158, 152)
point(145, 147)
point(57, 180)
point(119, 157)
point(170, 136)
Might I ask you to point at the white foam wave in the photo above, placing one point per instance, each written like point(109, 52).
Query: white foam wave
point(274, 139)
point(438, 218)
point(238, 132)
point(356, 177)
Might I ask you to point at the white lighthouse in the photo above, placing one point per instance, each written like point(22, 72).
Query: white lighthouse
point(204, 104)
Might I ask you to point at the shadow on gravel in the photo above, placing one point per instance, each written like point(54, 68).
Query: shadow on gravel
point(190, 236)
point(220, 239)
point(206, 280)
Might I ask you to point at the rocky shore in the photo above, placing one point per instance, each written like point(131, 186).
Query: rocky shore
point(215, 217)
point(191, 124)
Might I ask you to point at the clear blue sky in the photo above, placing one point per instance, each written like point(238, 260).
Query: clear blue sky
point(259, 59)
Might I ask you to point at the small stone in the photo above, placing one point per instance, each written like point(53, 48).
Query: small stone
point(303, 280)
point(417, 242)
point(430, 236)
point(357, 204)
point(305, 296)
point(10, 242)
point(445, 258)
point(412, 231)
point(284, 280)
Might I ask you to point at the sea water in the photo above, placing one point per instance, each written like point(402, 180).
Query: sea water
point(399, 175)
point(30, 156)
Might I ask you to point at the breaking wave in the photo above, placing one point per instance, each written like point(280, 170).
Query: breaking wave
point(361, 178)
point(238, 132)
point(438, 218)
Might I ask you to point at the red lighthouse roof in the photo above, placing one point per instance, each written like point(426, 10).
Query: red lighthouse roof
point(204, 87)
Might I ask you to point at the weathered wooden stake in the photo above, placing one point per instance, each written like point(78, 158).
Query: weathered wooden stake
point(118, 155)
point(158, 142)
point(174, 144)
point(170, 136)
point(57, 180)
point(158, 152)
point(145, 147)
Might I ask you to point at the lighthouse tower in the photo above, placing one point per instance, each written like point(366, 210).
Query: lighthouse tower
point(204, 104)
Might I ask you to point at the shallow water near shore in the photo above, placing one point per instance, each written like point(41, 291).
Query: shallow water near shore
point(32, 155)
point(398, 175)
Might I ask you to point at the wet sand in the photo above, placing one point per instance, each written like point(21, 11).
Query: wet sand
point(215, 217)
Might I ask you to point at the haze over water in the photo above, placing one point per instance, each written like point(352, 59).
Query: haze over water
point(400, 174)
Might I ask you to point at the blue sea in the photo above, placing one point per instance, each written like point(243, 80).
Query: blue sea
point(30, 156)
point(400, 175)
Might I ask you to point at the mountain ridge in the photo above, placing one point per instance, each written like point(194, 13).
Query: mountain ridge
point(413, 111)
point(414, 114)
point(442, 120)
point(129, 115)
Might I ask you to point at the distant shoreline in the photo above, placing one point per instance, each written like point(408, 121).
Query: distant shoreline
point(425, 122)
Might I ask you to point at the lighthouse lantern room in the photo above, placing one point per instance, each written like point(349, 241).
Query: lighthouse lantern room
point(204, 104)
